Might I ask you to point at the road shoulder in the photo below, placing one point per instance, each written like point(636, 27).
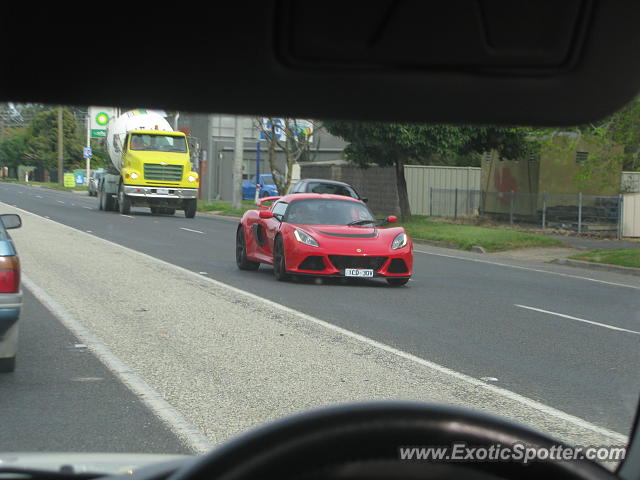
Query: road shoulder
point(228, 360)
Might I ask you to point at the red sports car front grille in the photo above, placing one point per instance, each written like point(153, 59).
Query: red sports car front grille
point(346, 261)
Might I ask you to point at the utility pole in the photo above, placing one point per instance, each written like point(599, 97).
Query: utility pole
point(236, 198)
point(86, 180)
point(60, 149)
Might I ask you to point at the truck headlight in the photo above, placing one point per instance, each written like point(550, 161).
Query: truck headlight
point(399, 242)
point(304, 237)
point(191, 178)
point(133, 175)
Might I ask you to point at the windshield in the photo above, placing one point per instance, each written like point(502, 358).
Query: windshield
point(318, 187)
point(166, 310)
point(268, 180)
point(327, 212)
point(161, 143)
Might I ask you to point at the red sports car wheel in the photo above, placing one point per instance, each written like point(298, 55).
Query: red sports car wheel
point(279, 260)
point(241, 253)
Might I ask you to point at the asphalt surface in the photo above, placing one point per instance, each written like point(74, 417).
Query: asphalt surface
point(471, 313)
point(61, 396)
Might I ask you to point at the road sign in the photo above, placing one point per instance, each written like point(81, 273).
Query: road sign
point(302, 128)
point(69, 180)
point(278, 129)
point(99, 119)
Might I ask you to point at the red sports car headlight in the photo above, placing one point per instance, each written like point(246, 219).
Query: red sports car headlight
point(304, 237)
point(400, 241)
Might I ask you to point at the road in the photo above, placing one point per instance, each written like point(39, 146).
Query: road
point(564, 338)
point(55, 390)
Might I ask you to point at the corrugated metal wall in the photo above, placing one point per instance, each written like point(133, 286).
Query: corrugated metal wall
point(420, 179)
point(631, 215)
point(631, 182)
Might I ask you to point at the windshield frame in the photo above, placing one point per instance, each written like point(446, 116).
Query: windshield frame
point(339, 201)
point(154, 148)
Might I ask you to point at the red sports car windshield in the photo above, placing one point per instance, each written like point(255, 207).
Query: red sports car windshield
point(319, 211)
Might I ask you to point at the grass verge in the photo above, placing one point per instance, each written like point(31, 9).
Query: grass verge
point(467, 236)
point(622, 257)
point(224, 208)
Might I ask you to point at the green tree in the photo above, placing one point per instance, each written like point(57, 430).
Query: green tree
point(395, 144)
point(13, 147)
point(622, 128)
point(42, 141)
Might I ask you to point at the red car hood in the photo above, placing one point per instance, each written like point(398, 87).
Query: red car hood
point(344, 232)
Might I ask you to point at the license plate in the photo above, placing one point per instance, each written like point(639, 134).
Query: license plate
point(358, 272)
point(162, 191)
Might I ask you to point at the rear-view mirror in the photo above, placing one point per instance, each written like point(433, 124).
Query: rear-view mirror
point(11, 220)
point(392, 219)
point(266, 214)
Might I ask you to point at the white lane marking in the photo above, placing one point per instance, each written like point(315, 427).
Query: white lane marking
point(39, 196)
point(147, 395)
point(88, 208)
point(60, 201)
point(516, 397)
point(128, 216)
point(190, 230)
point(577, 319)
point(531, 269)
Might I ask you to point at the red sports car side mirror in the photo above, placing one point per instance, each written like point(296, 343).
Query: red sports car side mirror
point(266, 214)
point(392, 219)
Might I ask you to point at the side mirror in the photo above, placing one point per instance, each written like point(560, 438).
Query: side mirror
point(11, 220)
point(264, 214)
point(392, 219)
point(364, 199)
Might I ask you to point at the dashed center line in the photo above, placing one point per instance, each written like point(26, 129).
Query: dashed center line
point(577, 319)
point(190, 230)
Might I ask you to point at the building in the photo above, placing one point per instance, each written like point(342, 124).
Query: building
point(213, 145)
point(571, 172)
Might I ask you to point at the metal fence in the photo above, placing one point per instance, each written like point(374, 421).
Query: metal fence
point(580, 213)
point(420, 178)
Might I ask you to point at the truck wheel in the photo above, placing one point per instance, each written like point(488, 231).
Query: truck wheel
point(124, 204)
point(109, 202)
point(190, 208)
point(154, 210)
point(100, 200)
point(7, 365)
point(105, 201)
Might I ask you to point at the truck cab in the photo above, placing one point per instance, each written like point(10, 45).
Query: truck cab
point(155, 172)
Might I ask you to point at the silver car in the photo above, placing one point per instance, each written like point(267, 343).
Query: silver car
point(10, 294)
point(94, 181)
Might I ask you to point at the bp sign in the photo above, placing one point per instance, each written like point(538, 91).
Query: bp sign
point(99, 119)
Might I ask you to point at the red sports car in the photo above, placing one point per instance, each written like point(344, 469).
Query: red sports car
point(323, 235)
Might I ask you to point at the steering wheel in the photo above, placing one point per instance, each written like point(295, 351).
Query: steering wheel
point(358, 441)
